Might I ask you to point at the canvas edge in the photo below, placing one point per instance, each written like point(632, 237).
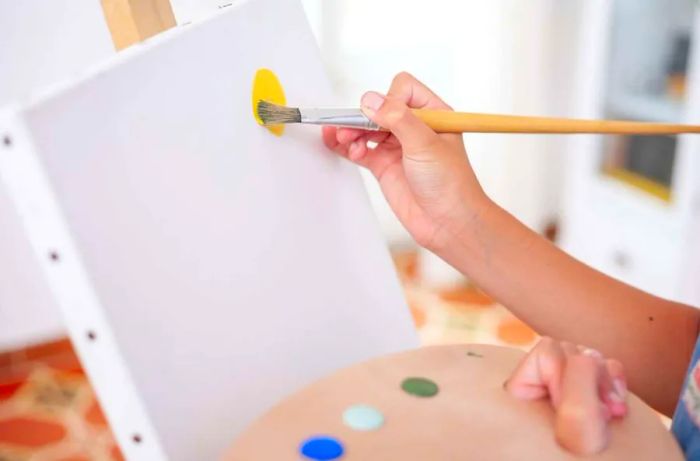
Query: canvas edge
point(49, 92)
point(29, 190)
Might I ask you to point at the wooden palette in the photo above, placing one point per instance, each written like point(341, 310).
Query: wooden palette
point(471, 417)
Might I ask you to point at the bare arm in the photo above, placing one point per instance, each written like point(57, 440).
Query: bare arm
point(562, 297)
point(428, 181)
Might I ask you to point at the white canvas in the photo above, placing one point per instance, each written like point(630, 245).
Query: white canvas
point(206, 268)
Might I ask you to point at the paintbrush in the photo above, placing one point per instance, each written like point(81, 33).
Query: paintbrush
point(445, 121)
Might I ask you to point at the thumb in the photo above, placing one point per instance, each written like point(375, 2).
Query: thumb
point(394, 115)
point(581, 425)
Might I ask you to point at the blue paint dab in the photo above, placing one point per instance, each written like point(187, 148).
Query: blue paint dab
point(321, 448)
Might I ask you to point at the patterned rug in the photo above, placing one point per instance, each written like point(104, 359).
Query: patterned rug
point(458, 314)
point(48, 410)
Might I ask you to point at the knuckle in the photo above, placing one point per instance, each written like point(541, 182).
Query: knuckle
point(585, 363)
point(590, 352)
point(428, 145)
point(567, 346)
point(394, 113)
point(402, 78)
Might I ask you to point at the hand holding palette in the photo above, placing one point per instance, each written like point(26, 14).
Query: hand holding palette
point(436, 403)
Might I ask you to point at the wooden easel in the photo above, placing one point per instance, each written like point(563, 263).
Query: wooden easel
point(132, 21)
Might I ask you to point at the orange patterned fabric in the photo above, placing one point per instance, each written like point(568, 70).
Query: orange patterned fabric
point(48, 410)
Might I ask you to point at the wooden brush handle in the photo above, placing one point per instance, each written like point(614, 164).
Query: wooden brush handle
point(444, 121)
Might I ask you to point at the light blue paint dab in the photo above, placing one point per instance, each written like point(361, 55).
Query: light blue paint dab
point(363, 418)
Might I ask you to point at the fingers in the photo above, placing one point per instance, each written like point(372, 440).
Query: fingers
point(612, 385)
point(348, 135)
point(585, 389)
point(341, 139)
point(406, 88)
point(539, 374)
point(581, 423)
point(329, 136)
point(569, 348)
point(352, 144)
point(376, 161)
point(357, 149)
point(394, 115)
point(617, 395)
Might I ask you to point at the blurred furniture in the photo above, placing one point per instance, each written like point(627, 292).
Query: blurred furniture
point(632, 202)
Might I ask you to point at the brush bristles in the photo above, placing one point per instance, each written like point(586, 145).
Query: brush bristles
point(272, 114)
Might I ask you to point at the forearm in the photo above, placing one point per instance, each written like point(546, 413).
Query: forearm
point(563, 298)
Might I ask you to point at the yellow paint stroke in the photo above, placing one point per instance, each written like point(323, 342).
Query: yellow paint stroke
point(267, 87)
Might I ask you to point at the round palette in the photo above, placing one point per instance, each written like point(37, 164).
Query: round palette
point(442, 402)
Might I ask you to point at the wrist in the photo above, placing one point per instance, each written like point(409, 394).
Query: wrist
point(462, 228)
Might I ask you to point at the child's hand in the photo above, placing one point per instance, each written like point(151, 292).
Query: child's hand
point(585, 389)
point(429, 183)
point(425, 177)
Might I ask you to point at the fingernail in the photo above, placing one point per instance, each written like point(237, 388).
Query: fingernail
point(372, 101)
point(619, 410)
point(620, 388)
point(592, 353)
point(352, 150)
point(613, 396)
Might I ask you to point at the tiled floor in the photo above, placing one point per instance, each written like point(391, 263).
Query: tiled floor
point(48, 410)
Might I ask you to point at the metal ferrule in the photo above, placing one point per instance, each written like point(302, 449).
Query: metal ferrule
point(352, 118)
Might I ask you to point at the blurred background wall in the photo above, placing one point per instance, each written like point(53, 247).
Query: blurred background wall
point(479, 56)
point(505, 56)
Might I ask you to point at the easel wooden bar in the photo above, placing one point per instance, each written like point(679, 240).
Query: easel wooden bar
point(132, 21)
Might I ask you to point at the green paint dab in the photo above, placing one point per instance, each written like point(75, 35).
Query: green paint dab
point(420, 387)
